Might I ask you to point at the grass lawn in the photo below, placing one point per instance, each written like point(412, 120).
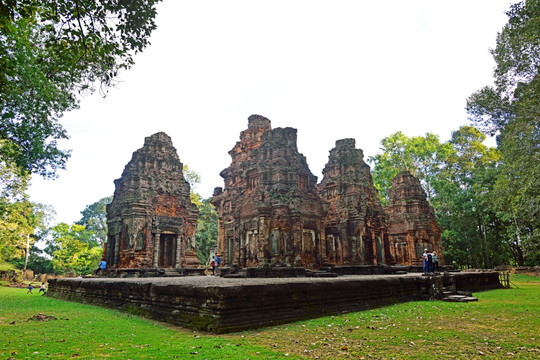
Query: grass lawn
point(503, 324)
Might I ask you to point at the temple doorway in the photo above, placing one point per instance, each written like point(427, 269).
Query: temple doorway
point(309, 249)
point(380, 250)
point(167, 250)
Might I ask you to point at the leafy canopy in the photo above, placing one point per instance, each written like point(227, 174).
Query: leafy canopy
point(50, 52)
point(511, 110)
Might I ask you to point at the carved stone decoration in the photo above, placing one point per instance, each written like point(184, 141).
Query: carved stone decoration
point(151, 214)
point(269, 211)
point(356, 223)
point(412, 224)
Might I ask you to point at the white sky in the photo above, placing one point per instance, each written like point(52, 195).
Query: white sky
point(331, 69)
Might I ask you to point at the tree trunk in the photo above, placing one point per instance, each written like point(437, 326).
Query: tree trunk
point(27, 251)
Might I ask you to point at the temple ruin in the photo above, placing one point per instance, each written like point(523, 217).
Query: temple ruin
point(355, 227)
point(412, 225)
point(275, 221)
point(272, 212)
point(151, 220)
point(269, 212)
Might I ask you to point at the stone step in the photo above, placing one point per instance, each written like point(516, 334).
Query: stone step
point(172, 273)
point(320, 274)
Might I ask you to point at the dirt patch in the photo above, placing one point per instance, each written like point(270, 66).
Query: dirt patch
point(42, 317)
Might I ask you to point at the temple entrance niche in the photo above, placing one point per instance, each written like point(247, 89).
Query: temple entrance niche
point(274, 243)
point(230, 250)
point(168, 244)
point(309, 248)
point(380, 250)
point(420, 249)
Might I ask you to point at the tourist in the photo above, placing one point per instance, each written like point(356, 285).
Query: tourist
point(42, 288)
point(213, 264)
point(435, 259)
point(218, 261)
point(430, 262)
point(425, 258)
point(30, 288)
point(101, 266)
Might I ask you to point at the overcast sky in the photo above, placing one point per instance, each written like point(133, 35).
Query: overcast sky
point(331, 69)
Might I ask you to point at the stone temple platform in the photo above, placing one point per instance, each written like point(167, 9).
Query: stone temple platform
point(222, 305)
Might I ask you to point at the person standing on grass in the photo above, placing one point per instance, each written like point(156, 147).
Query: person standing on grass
point(30, 288)
point(42, 288)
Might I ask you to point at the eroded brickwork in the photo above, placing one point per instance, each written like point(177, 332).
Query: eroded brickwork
point(151, 219)
point(412, 224)
point(272, 212)
point(356, 231)
point(269, 211)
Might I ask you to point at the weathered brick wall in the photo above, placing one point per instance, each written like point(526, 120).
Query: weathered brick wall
point(226, 305)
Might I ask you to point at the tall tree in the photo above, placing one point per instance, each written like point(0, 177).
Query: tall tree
point(207, 230)
point(50, 52)
point(419, 155)
point(511, 110)
point(458, 176)
point(73, 250)
point(94, 219)
point(471, 231)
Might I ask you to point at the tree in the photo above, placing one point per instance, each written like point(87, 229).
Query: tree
point(472, 231)
point(21, 224)
point(94, 219)
point(50, 52)
point(458, 177)
point(72, 249)
point(207, 230)
point(511, 110)
point(420, 155)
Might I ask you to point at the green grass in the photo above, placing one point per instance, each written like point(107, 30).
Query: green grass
point(502, 324)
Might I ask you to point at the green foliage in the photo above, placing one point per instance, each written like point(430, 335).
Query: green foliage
point(21, 224)
point(419, 155)
point(511, 109)
point(73, 249)
point(37, 262)
point(191, 177)
point(50, 52)
point(94, 219)
point(472, 234)
point(207, 230)
point(458, 177)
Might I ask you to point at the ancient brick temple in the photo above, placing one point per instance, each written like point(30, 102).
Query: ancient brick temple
point(269, 211)
point(412, 224)
point(356, 223)
point(272, 212)
point(151, 219)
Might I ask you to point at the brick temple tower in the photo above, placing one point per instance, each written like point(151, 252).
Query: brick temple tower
point(412, 224)
point(151, 219)
point(356, 230)
point(269, 210)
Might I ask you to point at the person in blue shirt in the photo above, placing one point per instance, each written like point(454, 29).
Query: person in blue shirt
point(101, 266)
